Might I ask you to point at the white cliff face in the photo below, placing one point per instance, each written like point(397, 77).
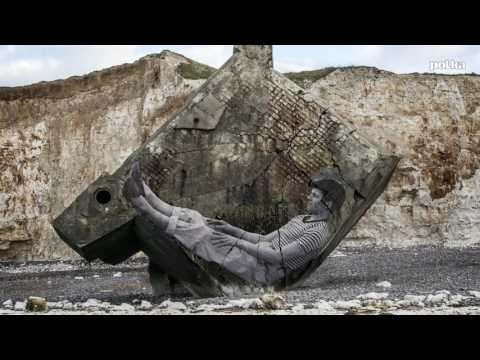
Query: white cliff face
point(58, 137)
point(433, 122)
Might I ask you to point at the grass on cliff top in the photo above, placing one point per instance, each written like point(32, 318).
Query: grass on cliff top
point(195, 71)
point(314, 75)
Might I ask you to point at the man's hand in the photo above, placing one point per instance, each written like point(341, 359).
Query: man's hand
point(221, 240)
point(219, 225)
point(215, 222)
point(226, 228)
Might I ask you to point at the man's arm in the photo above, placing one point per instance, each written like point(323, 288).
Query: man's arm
point(226, 228)
point(270, 255)
point(274, 234)
point(264, 252)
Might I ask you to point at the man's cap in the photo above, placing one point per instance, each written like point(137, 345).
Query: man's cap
point(332, 189)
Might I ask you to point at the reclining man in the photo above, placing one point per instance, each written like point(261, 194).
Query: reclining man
point(289, 248)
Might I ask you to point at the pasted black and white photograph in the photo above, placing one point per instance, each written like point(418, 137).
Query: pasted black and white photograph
point(239, 180)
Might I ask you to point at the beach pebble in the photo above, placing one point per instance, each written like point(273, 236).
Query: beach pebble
point(55, 305)
point(91, 303)
point(323, 306)
point(67, 305)
point(273, 302)
point(125, 307)
point(246, 304)
point(19, 306)
point(373, 296)
point(36, 304)
point(145, 305)
point(298, 307)
point(347, 305)
point(384, 284)
point(457, 299)
point(437, 299)
point(475, 294)
point(170, 305)
point(8, 304)
point(414, 299)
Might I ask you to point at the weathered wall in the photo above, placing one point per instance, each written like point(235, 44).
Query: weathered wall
point(58, 137)
point(433, 122)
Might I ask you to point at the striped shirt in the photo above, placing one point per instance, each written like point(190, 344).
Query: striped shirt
point(311, 238)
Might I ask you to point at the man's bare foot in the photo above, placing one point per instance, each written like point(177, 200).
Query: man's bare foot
point(136, 174)
point(131, 190)
point(134, 187)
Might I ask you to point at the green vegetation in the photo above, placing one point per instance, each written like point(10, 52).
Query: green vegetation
point(300, 77)
point(440, 74)
point(195, 71)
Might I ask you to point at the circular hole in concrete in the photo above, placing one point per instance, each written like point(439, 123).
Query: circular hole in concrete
point(103, 196)
point(196, 121)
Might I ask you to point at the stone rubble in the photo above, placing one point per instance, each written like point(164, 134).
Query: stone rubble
point(371, 303)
